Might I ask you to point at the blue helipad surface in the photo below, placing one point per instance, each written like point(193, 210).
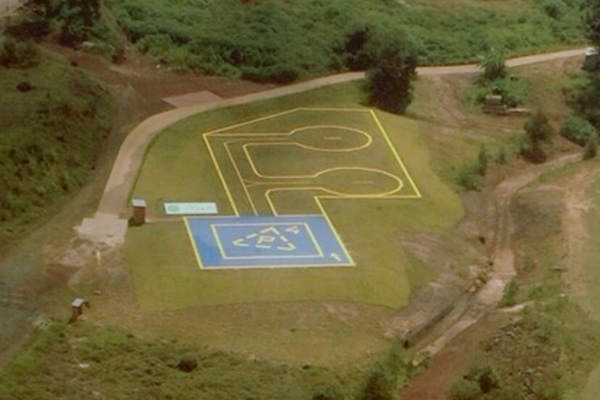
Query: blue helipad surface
point(266, 242)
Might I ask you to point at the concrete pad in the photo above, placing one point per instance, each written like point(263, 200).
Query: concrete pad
point(191, 99)
point(103, 225)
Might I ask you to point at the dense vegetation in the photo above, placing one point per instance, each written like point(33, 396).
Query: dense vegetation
point(543, 354)
point(81, 361)
point(49, 138)
point(281, 41)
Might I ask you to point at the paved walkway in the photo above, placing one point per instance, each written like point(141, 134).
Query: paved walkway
point(131, 153)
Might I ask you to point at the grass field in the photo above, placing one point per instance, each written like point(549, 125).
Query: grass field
point(179, 168)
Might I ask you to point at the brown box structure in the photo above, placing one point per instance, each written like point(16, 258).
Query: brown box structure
point(139, 211)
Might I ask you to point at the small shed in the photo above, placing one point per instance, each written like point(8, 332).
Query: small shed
point(139, 211)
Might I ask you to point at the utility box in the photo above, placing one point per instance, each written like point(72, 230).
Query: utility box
point(77, 309)
point(592, 59)
point(139, 211)
point(493, 104)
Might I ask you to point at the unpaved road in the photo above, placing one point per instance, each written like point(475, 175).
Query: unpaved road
point(8, 6)
point(131, 153)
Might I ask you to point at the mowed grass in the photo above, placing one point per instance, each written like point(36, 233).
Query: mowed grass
point(178, 167)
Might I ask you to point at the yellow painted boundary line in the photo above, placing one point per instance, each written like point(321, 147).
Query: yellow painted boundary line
point(239, 174)
point(335, 233)
point(337, 195)
point(191, 237)
point(225, 186)
point(398, 158)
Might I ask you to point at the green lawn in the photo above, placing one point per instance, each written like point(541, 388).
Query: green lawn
point(178, 167)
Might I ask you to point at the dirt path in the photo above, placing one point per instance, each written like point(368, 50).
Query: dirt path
point(435, 382)
point(8, 6)
point(130, 156)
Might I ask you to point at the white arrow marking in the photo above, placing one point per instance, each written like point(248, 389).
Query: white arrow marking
point(240, 243)
point(289, 247)
point(293, 229)
point(336, 257)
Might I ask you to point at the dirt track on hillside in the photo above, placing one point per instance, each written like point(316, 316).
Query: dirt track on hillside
point(133, 149)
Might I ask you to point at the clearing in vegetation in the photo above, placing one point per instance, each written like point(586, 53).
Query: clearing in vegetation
point(325, 169)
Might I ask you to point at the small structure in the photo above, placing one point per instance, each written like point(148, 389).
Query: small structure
point(139, 211)
point(493, 105)
point(77, 308)
point(592, 59)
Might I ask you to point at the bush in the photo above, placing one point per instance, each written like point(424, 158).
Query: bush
point(537, 131)
point(19, 53)
point(463, 389)
point(494, 66)
point(468, 178)
point(510, 293)
point(591, 147)
point(578, 129)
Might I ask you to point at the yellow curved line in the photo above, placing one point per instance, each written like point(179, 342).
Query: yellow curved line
point(339, 127)
point(381, 194)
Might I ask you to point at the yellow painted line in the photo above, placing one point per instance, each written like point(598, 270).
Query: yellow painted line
point(282, 266)
point(333, 109)
point(391, 145)
point(239, 174)
point(271, 116)
point(270, 201)
point(191, 236)
point(337, 236)
point(314, 240)
point(214, 160)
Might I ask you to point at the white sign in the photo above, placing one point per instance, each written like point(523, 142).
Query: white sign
point(190, 208)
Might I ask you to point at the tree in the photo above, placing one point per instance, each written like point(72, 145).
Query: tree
point(493, 64)
point(537, 131)
point(592, 21)
point(389, 82)
point(591, 147)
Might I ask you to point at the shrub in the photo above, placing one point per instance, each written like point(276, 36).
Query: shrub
point(554, 8)
point(537, 131)
point(494, 66)
point(510, 293)
point(463, 389)
point(578, 129)
point(19, 53)
point(591, 147)
point(468, 178)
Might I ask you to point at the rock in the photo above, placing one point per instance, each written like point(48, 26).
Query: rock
point(24, 86)
point(557, 268)
point(188, 363)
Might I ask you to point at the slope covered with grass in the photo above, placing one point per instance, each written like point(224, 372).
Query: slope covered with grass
point(281, 41)
point(49, 139)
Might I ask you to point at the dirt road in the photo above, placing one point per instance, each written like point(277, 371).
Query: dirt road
point(130, 156)
point(8, 6)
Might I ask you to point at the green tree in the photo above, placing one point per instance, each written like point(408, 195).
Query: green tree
point(591, 147)
point(389, 82)
point(537, 132)
point(493, 64)
point(592, 21)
